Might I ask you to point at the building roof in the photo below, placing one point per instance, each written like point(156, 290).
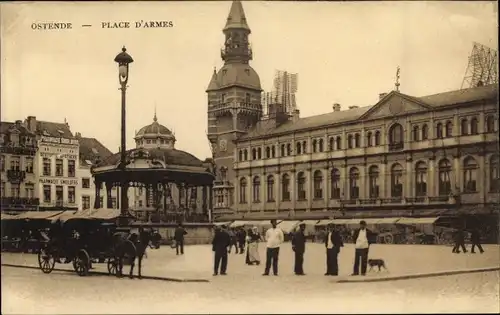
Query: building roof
point(269, 128)
point(168, 156)
point(6, 126)
point(154, 129)
point(235, 74)
point(236, 17)
point(91, 150)
point(46, 128)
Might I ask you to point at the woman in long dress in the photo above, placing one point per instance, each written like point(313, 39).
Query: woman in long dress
point(253, 239)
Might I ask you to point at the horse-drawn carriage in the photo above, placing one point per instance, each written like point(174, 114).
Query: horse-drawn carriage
point(84, 239)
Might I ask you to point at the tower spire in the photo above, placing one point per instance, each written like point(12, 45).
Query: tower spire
point(396, 85)
point(155, 119)
point(236, 17)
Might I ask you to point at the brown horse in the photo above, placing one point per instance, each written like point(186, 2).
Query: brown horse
point(129, 246)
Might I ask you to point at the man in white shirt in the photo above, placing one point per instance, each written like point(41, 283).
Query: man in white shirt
point(363, 239)
point(274, 238)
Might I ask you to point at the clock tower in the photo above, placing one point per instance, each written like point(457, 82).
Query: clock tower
point(234, 103)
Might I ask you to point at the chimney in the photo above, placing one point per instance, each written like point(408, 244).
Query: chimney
point(78, 135)
point(381, 96)
point(18, 123)
point(336, 107)
point(353, 107)
point(31, 123)
point(296, 115)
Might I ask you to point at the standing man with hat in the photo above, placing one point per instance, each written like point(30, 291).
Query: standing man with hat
point(274, 238)
point(333, 243)
point(299, 247)
point(220, 243)
point(363, 238)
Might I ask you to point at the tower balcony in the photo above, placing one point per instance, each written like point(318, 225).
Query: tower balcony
point(229, 53)
point(15, 176)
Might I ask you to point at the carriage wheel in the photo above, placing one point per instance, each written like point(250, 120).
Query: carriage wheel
point(389, 239)
point(46, 261)
point(112, 266)
point(82, 263)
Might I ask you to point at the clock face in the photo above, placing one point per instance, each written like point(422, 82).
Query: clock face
point(396, 107)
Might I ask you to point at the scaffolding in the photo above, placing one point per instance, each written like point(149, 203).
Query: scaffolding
point(282, 97)
point(481, 68)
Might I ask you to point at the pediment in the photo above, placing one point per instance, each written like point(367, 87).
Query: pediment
point(394, 104)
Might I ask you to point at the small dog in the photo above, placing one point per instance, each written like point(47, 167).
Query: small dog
point(380, 263)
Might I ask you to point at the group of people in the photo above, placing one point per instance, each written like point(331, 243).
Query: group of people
point(459, 241)
point(274, 237)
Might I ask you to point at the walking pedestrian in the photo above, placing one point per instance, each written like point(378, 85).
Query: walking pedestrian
point(299, 248)
point(333, 243)
point(459, 241)
point(220, 243)
point(241, 235)
point(274, 238)
point(179, 239)
point(363, 238)
point(233, 240)
point(475, 239)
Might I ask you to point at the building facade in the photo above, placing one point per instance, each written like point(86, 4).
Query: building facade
point(18, 147)
point(404, 154)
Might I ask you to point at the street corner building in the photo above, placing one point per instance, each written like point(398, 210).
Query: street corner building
point(402, 156)
point(163, 183)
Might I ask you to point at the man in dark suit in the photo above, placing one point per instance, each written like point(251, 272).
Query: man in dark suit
point(241, 235)
point(333, 243)
point(363, 238)
point(179, 239)
point(299, 247)
point(220, 243)
point(459, 241)
point(475, 239)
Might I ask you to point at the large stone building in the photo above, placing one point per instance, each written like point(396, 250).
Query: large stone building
point(404, 155)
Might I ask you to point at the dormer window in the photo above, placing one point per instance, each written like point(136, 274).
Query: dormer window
point(45, 133)
point(60, 131)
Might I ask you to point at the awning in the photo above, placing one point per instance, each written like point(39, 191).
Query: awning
point(387, 220)
point(104, 214)
point(222, 223)
point(411, 221)
point(5, 216)
point(248, 223)
point(310, 222)
point(288, 226)
point(38, 215)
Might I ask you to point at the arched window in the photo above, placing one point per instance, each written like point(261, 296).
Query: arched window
point(420, 179)
point(245, 153)
point(318, 185)
point(259, 153)
point(373, 174)
point(331, 144)
point(377, 137)
point(285, 187)
point(298, 148)
point(320, 144)
point(444, 172)
point(270, 188)
point(396, 137)
point(335, 184)
point(282, 150)
point(289, 149)
point(416, 133)
point(314, 145)
point(301, 186)
point(354, 183)
point(339, 143)
point(357, 140)
point(470, 174)
point(243, 190)
point(254, 154)
point(490, 123)
point(425, 132)
point(369, 139)
point(240, 155)
point(304, 147)
point(494, 174)
point(449, 129)
point(464, 130)
point(256, 189)
point(349, 142)
point(273, 151)
point(473, 126)
point(439, 130)
point(268, 152)
point(397, 181)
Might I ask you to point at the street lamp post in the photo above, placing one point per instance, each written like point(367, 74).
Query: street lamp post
point(123, 59)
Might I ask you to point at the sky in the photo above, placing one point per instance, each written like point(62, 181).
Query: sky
point(343, 53)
